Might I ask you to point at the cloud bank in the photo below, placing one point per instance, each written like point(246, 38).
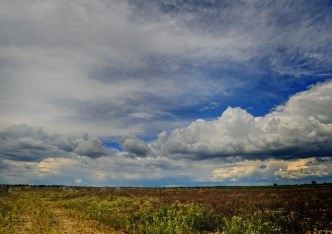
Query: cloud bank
point(291, 144)
point(309, 168)
point(26, 143)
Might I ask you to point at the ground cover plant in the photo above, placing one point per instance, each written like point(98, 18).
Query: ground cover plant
point(296, 209)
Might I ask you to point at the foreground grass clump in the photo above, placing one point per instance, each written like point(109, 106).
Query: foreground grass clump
point(25, 212)
point(148, 215)
point(268, 222)
point(9, 214)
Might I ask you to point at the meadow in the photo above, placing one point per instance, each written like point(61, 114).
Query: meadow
point(288, 209)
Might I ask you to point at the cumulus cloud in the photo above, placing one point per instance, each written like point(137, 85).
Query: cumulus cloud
point(92, 148)
point(135, 146)
point(26, 143)
point(301, 127)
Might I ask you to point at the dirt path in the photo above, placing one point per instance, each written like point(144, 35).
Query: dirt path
point(45, 217)
point(78, 224)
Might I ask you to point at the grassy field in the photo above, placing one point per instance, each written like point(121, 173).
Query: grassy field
point(306, 209)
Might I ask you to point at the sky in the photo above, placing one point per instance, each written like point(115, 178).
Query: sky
point(165, 92)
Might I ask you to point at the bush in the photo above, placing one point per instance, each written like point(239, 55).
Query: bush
point(261, 222)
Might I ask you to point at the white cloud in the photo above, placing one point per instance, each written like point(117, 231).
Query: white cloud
point(301, 127)
point(211, 106)
point(234, 171)
point(78, 181)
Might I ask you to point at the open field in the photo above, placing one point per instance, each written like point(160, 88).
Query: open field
point(306, 209)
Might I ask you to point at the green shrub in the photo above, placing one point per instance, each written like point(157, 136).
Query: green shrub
point(261, 222)
point(234, 225)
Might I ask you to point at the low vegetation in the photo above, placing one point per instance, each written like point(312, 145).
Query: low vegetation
point(181, 210)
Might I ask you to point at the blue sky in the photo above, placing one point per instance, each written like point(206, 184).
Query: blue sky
point(165, 93)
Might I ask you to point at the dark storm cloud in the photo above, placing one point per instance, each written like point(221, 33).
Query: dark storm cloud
point(92, 148)
point(26, 143)
point(135, 146)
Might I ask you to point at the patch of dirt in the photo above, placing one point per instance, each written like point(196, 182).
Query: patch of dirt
point(62, 223)
point(79, 225)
